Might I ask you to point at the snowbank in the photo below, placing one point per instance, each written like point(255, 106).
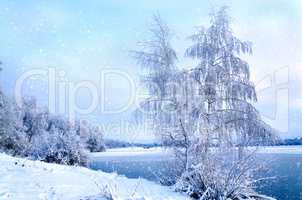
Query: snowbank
point(22, 179)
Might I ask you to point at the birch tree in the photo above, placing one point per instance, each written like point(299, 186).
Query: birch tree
point(157, 59)
point(206, 113)
point(227, 120)
point(228, 116)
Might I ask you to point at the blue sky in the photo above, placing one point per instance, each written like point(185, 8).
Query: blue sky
point(83, 37)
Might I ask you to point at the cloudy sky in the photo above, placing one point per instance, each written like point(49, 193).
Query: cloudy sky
point(81, 39)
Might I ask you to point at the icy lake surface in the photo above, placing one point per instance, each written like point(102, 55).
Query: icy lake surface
point(285, 164)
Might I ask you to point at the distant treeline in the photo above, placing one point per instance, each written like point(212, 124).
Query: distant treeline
point(294, 141)
point(110, 143)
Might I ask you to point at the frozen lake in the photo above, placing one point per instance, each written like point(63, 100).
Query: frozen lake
point(285, 164)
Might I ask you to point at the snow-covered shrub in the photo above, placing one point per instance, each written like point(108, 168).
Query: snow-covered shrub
point(95, 141)
point(110, 191)
point(59, 143)
point(50, 138)
point(34, 121)
point(32, 132)
point(12, 135)
point(221, 177)
point(91, 136)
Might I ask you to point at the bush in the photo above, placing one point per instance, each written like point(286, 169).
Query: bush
point(91, 136)
point(221, 177)
point(95, 143)
point(57, 146)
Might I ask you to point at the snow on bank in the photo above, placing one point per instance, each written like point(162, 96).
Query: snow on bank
point(22, 179)
point(158, 153)
point(133, 153)
point(281, 150)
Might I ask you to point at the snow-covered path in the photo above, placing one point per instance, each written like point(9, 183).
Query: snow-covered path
point(22, 179)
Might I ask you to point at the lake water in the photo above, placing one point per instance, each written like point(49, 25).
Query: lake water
point(285, 167)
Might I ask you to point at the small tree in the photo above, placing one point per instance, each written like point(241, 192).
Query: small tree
point(34, 120)
point(160, 77)
point(157, 58)
point(95, 141)
point(91, 136)
point(158, 61)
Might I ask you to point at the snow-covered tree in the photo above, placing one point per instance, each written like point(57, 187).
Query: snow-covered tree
point(227, 121)
point(58, 143)
point(32, 131)
point(223, 82)
point(207, 115)
point(91, 136)
point(158, 61)
point(161, 78)
point(35, 120)
point(12, 137)
point(95, 142)
point(157, 57)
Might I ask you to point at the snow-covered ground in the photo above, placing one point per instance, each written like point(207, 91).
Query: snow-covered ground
point(133, 153)
point(22, 179)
